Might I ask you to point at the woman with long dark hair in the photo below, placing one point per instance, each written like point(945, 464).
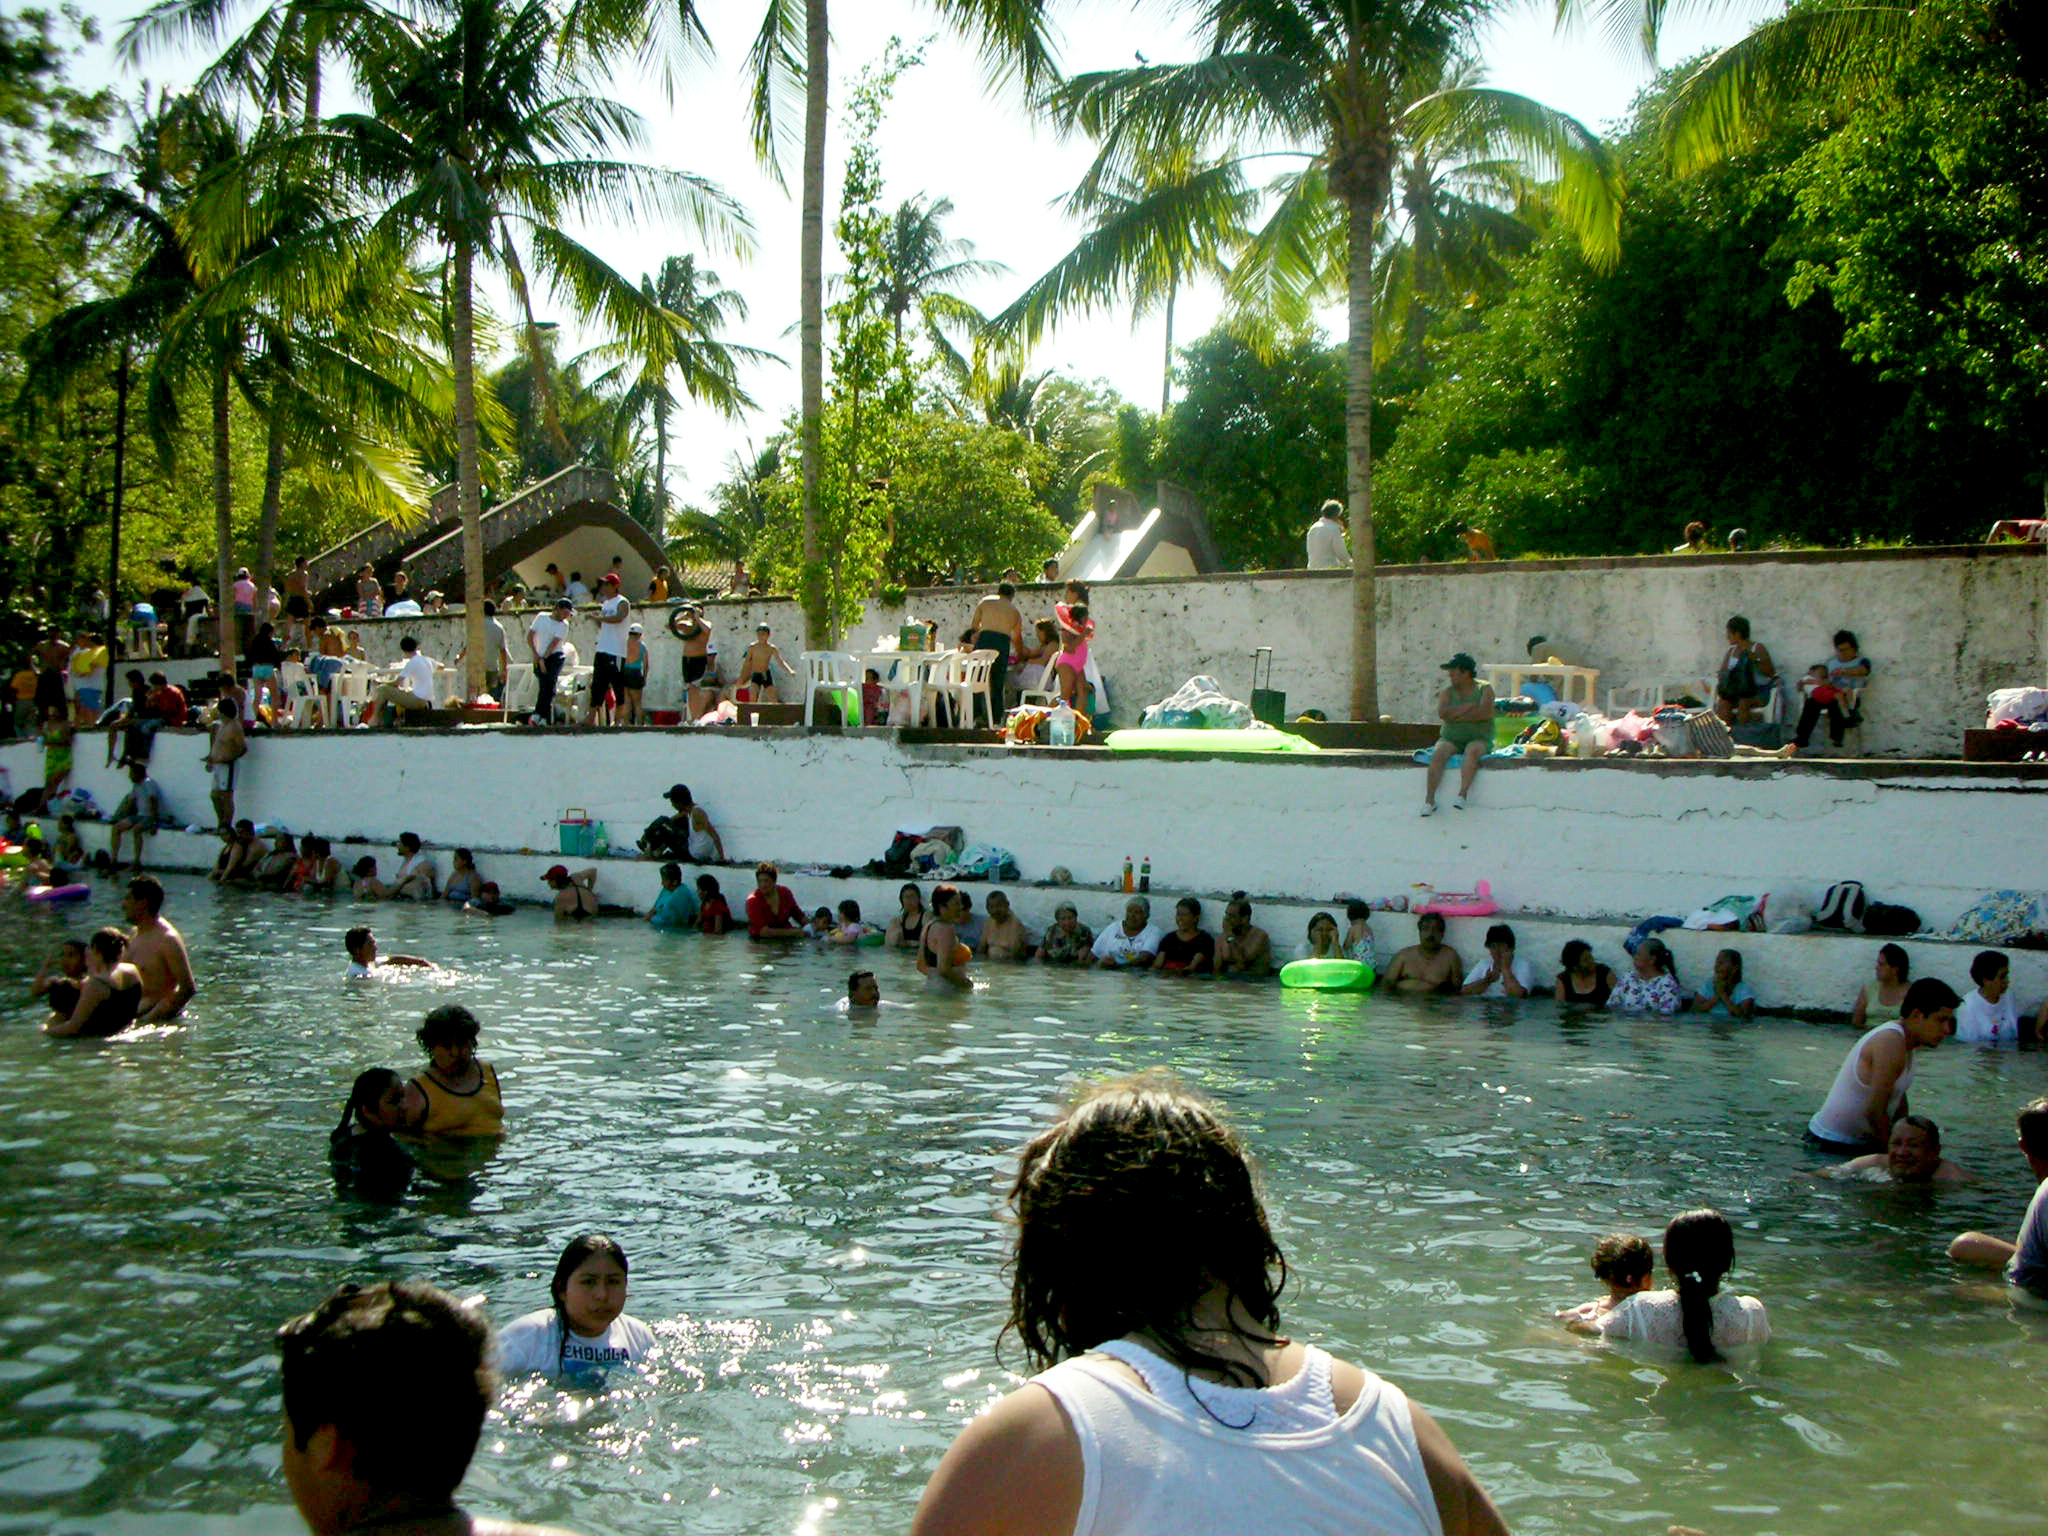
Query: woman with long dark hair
point(1694, 1316)
point(586, 1330)
point(1146, 1288)
point(363, 1149)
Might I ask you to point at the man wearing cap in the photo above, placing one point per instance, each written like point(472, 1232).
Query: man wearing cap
point(608, 667)
point(687, 625)
point(546, 637)
point(1466, 709)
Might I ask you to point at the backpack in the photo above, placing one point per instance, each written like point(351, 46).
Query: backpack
point(1842, 906)
point(1710, 734)
point(666, 837)
point(1881, 917)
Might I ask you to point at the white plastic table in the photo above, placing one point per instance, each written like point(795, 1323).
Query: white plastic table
point(916, 677)
point(1575, 685)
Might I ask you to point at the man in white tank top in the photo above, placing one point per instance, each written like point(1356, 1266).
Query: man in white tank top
point(1869, 1091)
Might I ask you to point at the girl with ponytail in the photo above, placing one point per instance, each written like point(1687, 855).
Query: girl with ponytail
point(1694, 1317)
point(586, 1331)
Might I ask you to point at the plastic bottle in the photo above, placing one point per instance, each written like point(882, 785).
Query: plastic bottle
point(601, 843)
point(1129, 884)
point(1145, 874)
point(1060, 726)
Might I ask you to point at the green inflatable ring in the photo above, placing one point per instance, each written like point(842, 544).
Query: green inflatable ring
point(1181, 739)
point(1327, 975)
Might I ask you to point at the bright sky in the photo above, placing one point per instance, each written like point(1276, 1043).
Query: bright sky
point(948, 137)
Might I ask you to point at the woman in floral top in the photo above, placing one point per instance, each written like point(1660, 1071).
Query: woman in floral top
point(1068, 941)
point(1652, 987)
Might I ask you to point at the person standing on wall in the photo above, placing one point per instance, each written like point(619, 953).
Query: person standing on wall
point(608, 675)
point(1327, 550)
point(546, 638)
point(997, 624)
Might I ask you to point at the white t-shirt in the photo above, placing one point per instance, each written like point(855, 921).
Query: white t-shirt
point(1654, 1318)
point(533, 1344)
point(611, 626)
point(1114, 944)
point(1979, 1021)
point(1326, 551)
point(549, 634)
point(1525, 973)
point(416, 675)
point(577, 592)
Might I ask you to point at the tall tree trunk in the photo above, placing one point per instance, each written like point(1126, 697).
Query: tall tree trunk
point(115, 628)
point(469, 496)
point(661, 502)
point(1365, 646)
point(817, 77)
point(1166, 369)
point(223, 522)
point(273, 501)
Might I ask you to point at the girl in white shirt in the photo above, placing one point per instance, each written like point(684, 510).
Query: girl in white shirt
point(586, 1332)
point(1699, 1249)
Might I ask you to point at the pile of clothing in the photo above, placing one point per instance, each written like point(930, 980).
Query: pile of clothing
point(1200, 704)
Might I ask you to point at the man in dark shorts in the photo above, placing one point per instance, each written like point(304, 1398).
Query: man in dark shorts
point(687, 625)
point(385, 1391)
point(998, 625)
point(607, 671)
point(52, 658)
point(298, 605)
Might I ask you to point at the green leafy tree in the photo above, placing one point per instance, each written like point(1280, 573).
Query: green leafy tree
point(1335, 86)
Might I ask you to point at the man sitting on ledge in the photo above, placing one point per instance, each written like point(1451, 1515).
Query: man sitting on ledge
point(414, 689)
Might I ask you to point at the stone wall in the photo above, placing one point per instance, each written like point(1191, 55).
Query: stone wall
point(1942, 627)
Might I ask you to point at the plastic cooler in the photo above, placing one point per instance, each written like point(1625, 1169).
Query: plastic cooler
point(578, 833)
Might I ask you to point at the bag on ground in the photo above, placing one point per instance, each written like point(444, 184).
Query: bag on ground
point(1842, 905)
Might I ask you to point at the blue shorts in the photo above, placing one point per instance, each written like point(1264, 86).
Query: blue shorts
point(88, 699)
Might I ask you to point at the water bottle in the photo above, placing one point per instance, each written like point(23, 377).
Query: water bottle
point(1145, 875)
point(1127, 874)
point(1061, 729)
point(601, 843)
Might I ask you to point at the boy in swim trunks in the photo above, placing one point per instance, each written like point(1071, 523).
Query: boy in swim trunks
point(687, 625)
point(759, 664)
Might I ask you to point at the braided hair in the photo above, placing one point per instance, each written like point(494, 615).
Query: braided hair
point(1699, 1248)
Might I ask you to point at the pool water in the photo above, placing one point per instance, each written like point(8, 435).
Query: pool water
point(811, 1208)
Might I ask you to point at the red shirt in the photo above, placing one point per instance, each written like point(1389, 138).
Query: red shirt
point(168, 704)
point(714, 916)
point(784, 914)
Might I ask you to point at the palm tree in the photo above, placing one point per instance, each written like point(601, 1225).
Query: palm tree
point(792, 54)
point(683, 345)
point(1333, 85)
point(480, 139)
point(921, 266)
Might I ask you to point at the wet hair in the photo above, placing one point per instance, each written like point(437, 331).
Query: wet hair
point(765, 867)
point(943, 895)
point(1734, 955)
point(1896, 957)
point(148, 890)
point(1847, 637)
point(1986, 965)
point(1500, 933)
point(340, 1359)
point(1574, 950)
point(1129, 1209)
point(2033, 1127)
point(1699, 1248)
point(369, 1087)
point(108, 943)
point(1356, 911)
point(1660, 952)
point(854, 979)
point(355, 939)
point(1622, 1256)
point(1928, 995)
point(364, 867)
point(1738, 625)
point(849, 909)
point(409, 840)
point(1322, 917)
point(824, 912)
point(707, 885)
point(673, 872)
point(1923, 1123)
point(449, 1024)
point(1424, 919)
point(582, 1248)
point(1189, 905)
point(911, 888)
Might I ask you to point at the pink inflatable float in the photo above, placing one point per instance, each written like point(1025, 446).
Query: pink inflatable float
point(1478, 903)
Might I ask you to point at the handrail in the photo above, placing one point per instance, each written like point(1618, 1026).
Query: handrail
point(442, 554)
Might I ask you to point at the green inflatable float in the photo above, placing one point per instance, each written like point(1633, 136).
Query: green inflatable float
point(1327, 975)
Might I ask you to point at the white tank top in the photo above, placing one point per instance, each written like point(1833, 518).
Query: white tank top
point(1842, 1117)
point(1188, 1458)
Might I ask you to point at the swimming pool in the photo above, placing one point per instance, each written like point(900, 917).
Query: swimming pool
point(810, 1206)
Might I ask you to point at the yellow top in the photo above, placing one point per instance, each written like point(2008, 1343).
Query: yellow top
point(480, 1112)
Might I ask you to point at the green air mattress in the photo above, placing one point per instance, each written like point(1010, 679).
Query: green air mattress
point(1194, 740)
point(1327, 975)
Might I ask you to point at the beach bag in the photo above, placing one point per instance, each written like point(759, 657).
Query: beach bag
point(1647, 927)
point(1710, 734)
point(1842, 905)
point(1889, 921)
point(2003, 917)
point(1729, 912)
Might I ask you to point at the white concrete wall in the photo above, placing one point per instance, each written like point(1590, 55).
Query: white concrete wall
point(1591, 843)
point(1943, 628)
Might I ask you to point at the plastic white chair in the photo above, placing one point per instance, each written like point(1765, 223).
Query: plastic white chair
point(522, 690)
point(827, 669)
point(351, 693)
point(300, 692)
point(448, 686)
point(970, 680)
point(572, 693)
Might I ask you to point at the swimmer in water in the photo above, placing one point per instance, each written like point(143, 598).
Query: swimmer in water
point(586, 1330)
point(1625, 1263)
point(363, 959)
point(363, 1149)
point(461, 1092)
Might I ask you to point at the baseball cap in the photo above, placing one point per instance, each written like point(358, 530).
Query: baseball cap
point(609, 576)
point(635, 629)
point(1462, 662)
point(563, 602)
point(556, 872)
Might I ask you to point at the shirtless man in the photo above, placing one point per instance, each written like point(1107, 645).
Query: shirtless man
point(1913, 1156)
point(997, 625)
point(157, 950)
point(229, 744)
point(1429, 964)
point(1003, 937)
point(360, 1454)
point(687, 625)
point(757, 667)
